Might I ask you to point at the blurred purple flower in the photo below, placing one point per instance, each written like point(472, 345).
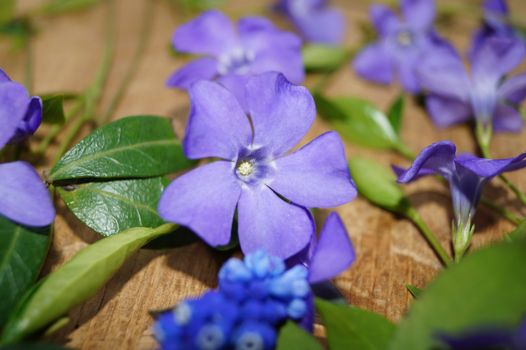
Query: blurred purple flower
point(401, 44)
point(30, 108)
point(253, 173)
point(496, 24)
point(23, 196)
point(467, 175)
point(315, 20)
point(492, 99)
point(232, 54)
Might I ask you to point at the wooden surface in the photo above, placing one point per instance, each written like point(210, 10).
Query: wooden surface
point(391, 252)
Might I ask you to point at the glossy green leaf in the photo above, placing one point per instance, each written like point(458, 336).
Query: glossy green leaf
point(76, 280)
point(53, 109)
point(113, 206)
point(358, 121)
point(415, 291)
point(292, 336)
point(7, 10)
point(486, 288)
point(142, 146)
point(378, 185)
point(396, 113)
point(22, 253)
point(57, 7)
point(350, 327)
point(519, 233)
point(318, 57)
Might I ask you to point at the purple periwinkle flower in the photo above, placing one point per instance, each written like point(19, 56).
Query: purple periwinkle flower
point(495, 24)
point(232, 54)
point(487, 95)
point(400, 45)
point(315, 19)
point(271, 190)
point(23, 196)
point(467, 175)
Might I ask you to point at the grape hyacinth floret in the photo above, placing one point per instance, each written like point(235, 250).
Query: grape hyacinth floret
point(231, 53)
point(23, 196)
point(270, 189)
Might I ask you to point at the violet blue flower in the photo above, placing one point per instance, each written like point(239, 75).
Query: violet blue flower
point(315, 20)
point(23, 196)
point(496, 24)
point(232, 54)
point(401, 44)
point(32, 117)
point(271, 190)
point(487, 96)
point(467, 175)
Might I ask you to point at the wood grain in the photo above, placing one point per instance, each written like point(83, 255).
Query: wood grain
point(391, 253)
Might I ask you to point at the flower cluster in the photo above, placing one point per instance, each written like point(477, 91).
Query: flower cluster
point(270, 190)
point(315, 20)
point(232, 54)
point(24, 197)
point(256, 296)
point(467, 175)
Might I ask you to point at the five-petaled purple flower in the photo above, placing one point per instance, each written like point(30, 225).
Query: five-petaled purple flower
point(401, 44)
point(467, 175)
point(496, 24)
point(232, 54)
point(270, 190)
point(493, 101)
point(315, 20)
point(23, 196)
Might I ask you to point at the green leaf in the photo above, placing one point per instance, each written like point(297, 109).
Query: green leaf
point(57, 7)
point(142, 146)
point(323, 58)
point(53, 109)
point(358, 121)
point(293, 336)
point(113, 206)
point(519, 233)
point(7, 10)
point(33, 346)
point(378, 185)
point(22, 252)
point(76, 280)
point(415, 291)
point(396, 113)
point(349, 327)
point(486, 288)
point(19, 30)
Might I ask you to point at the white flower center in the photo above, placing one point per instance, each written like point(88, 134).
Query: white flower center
point(236, 61)
point(245, 168)
point(404, 38)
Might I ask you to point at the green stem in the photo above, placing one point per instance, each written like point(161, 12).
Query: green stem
point(413, 215)
point(505, 213)
point(132, 68)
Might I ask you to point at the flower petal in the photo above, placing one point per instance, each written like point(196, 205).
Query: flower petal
point(443, 73)
point(236, 84)
point(23, 196)
point(316, 175)
point(281, 112)
point(325, 26)
point(384, 19)
point(211, 33)
point(497, 56)
point(445, 111)
point(200, 69)
point(4, 77)
point(286, 60)
point(217, 126)
point(374, 64)
point(406, 65)
point(507, 119)
point(14, 102)
point(513, 89)
point(334, 252)
point(419, 14)
point(267, 222)
point(437, 157)
point(204, 200)
point(489, 168)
